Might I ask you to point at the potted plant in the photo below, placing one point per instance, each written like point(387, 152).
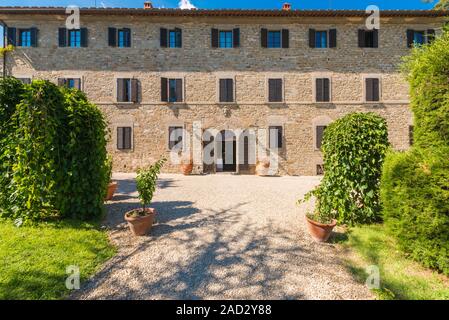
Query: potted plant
point(112, 186)
point(262, 167)
point(186, 165)
point(141, 220)
point(323, 220)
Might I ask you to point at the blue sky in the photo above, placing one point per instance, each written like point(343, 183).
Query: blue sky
point(208, 4)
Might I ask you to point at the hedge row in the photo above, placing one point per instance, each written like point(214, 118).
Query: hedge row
point(415, 184)
point(53, 153)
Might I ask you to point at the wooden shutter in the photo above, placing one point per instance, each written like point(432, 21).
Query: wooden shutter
point(120, 136)
point(112, 37)
point(264, 38)
point(134, 90)
point(77, 83)
point(127, 138)
point(376, 91)
point(120, 90)
point(164, 89)
point(178, 37)
point(285, 38)
point(127, 32)
point(179, 97)
point(164, 38)
point(332, 38)
point(319, 90)
point(62, 82)
point(279, 90)
point(230, 90)
point(410, 37)
point(312, 38)
point(84, 37)
point(62, 37)
point(375, 38)
point(326, 90)
point(11, 36)
point(361, 35)
point(319, 136)
point(222, 90)
point(430, 35)
point(33, 32)
point(369, 89)
point(236, 38)
point(214, 37)
point(277, 130)
point(271, 90)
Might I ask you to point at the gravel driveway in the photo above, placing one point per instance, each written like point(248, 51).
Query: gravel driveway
point(221, 237)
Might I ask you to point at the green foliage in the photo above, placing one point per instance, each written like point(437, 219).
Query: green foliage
point(415, 184)
point(415, 196)
point(54, 156)
point(354, 148)
point(146, 182)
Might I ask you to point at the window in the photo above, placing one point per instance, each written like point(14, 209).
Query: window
point(74, 83)
point(175, 38)
point(75, 38)
point(415, 37)
point(410, 135)
point(275, 136)
point(124, 135)
point(25, 38)
point(226, 90)
point(319, 136)
point(321, 39)
point(171, 90)
point(372, 89)
point(225, 39)
point(319, 169)
point(368, 38)
point(322, 90)
point(274, 39)
point(275, 91)
point(175, 135)
point(124, 38)
point(127, 90)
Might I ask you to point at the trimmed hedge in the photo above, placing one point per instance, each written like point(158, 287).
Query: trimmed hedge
point(354, 148)
point(56, 152)
point(415, 184)
point(415, 197)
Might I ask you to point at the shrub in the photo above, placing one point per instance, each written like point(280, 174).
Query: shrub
point(415, 185)
point(146, 182)
point(354, 148)
point(54, 159)
point(415, 196)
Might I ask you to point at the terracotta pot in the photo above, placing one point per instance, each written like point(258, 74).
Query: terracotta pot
point(262, 168)
point(112, 187)
point(318, 231)
point(186, 168)
point(140, 225)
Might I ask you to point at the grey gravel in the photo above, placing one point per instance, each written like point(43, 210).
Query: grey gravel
point(221, 237)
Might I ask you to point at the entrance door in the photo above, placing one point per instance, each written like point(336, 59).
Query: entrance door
point(229, 151)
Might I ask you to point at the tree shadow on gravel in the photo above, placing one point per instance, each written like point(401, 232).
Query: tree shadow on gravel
point(217, 254)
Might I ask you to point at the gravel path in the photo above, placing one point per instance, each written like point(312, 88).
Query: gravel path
point(221, 237)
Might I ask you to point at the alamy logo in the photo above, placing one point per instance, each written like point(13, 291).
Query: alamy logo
point(373, 21)
point(73, 20)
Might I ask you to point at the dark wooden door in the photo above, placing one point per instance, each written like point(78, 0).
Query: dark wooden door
point(227, 146)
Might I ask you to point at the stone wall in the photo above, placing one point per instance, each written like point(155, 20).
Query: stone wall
point(250, 65)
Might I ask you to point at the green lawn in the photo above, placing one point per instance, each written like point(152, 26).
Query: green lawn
point(401, 278)
point(33, 260)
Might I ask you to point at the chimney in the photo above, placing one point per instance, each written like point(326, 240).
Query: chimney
point(147, 5)
point(286, 7)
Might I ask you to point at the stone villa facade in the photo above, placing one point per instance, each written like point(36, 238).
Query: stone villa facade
point(153, 71)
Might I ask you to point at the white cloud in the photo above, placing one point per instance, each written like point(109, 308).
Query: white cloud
point(185, 4)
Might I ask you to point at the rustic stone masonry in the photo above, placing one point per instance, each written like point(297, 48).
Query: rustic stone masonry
point(201, 66)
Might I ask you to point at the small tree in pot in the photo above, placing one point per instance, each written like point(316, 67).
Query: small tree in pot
point(141, 220)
